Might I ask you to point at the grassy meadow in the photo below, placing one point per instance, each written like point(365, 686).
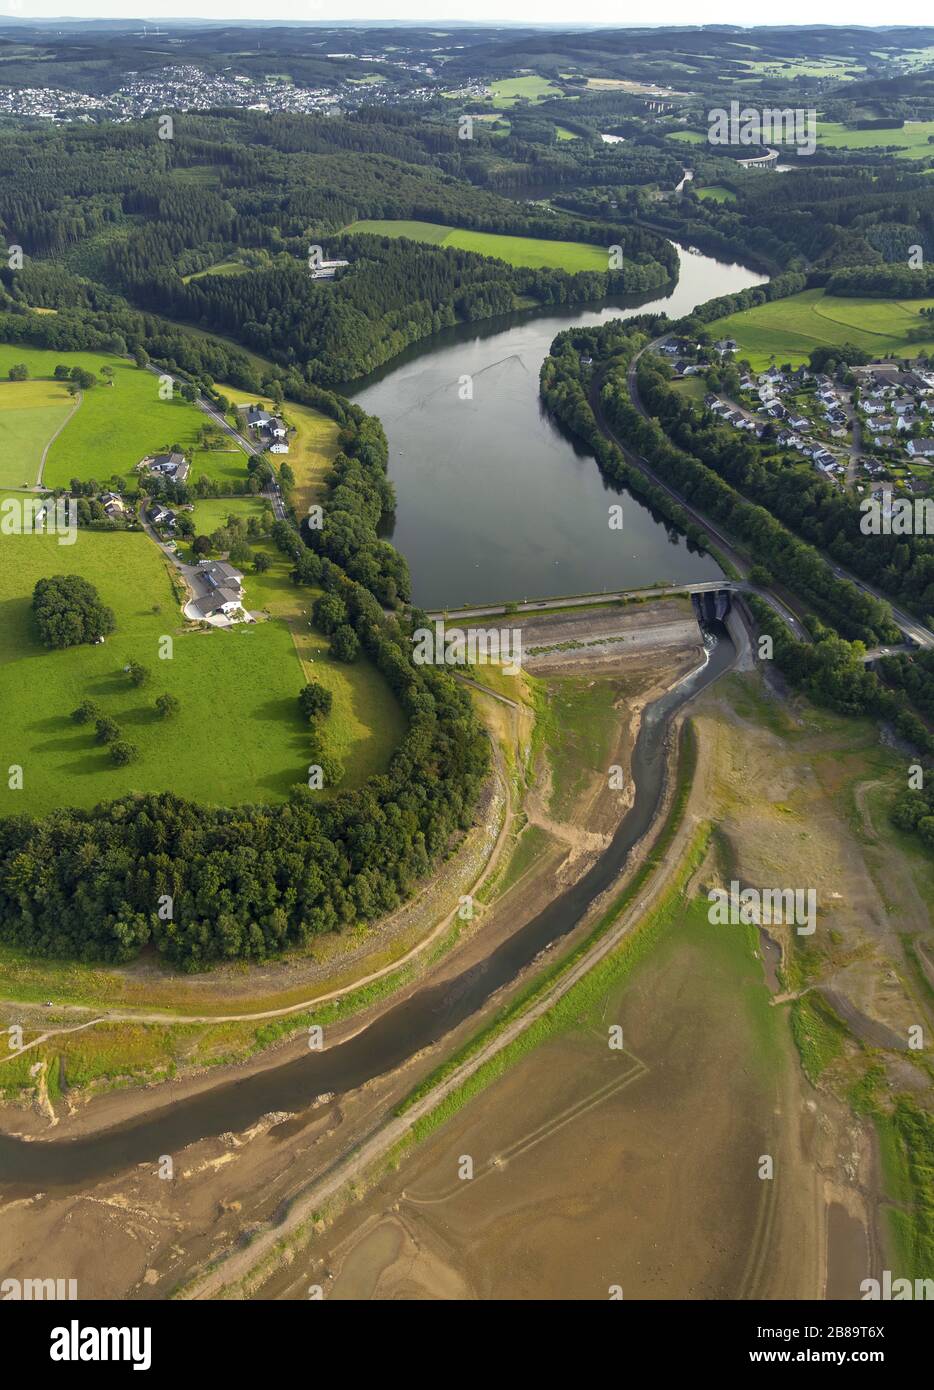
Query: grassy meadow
point(366, 722)
point(238, 736)
point(790, 329)
point(30, 414)
point(508, 90)
point(220, 268)
point(715, 193)
point(911, 140)
point(115, 426)
point(515, 250)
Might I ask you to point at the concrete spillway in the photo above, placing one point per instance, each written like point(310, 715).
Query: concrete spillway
point(712, 605)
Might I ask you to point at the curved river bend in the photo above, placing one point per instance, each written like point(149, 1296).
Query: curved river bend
point(495, 500)
point(501, 505)
point(414, 1023)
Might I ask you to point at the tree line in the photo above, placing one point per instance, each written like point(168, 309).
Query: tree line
point(205, 884)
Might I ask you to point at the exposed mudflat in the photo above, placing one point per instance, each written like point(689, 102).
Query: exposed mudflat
point(594, 1168)
point(159, 1230)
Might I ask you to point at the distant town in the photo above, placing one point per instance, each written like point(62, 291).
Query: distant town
point(190, 88)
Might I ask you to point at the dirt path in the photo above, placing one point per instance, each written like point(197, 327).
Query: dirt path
point(118, 1016)
point(68, 417)
point(485, 690)
point(52, 1033)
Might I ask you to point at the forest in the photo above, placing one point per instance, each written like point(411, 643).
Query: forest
point(110, 221)
point(249, 882)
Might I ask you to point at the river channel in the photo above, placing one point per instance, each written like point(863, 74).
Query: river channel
point(416, 1022)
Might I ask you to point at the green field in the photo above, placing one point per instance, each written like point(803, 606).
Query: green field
point(30, 413)
point(221, 268)
point(115, 426)
point(789, 329)
point(225, 466)
point(212, 512)
point(507, 91)
point(238, 737)
point(688, 137)
point(693, 388)
point(515, 250)
point(366, 722)
point(714, 193)
point(912, 139)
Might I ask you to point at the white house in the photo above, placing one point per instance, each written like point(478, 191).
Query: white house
point(326, 270)
point(224, 591)
point(173, 466)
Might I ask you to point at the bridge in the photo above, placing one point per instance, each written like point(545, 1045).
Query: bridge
point(494, 610)
point(712, 599)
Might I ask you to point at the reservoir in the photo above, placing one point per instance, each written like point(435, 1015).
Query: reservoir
point(495, 500)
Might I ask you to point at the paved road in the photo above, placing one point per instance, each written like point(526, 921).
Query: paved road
point(273, 495)
point(580, 600)
point(856, 444)
point(249, 446)
point(876, 652)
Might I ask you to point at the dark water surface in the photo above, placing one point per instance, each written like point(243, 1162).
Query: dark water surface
point(495, 500)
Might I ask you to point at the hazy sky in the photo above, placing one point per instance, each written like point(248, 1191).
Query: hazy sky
point(604, 12)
